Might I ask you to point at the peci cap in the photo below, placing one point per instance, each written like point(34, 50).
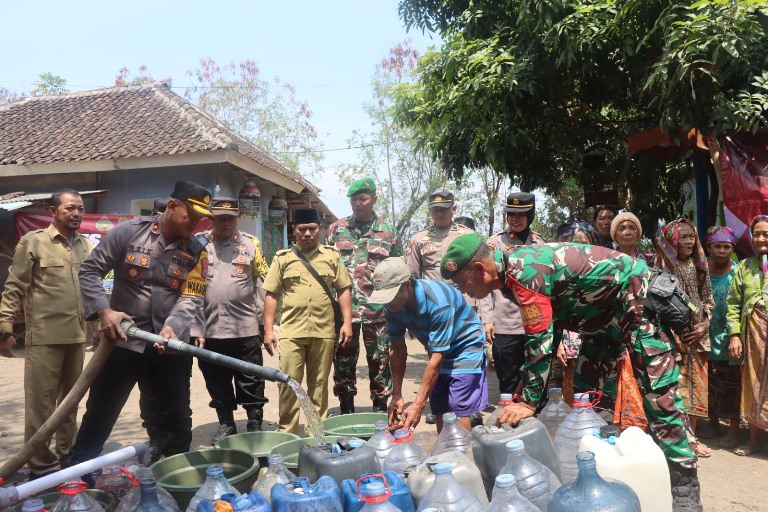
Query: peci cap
point(387, 278)
point(363, 185)
point(459, 253)
point(441, 198)
point(520, 202)
point(225, 206)
point(196, 197)
point(306, 216)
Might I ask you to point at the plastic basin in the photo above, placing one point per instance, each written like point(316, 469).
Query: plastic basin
point(183, 474)
point(104, 498)
point(257, 443)
point(290, 449)
point(360, 424)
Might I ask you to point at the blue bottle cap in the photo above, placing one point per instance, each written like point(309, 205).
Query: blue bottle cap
point(380, 425)
point(449, 417)
point(375, 488)
point(214, 470)
point(505, 480)
point(356, 443)
point(402, 433)
point(515, 445)
point(442, 468)
point(33, 505)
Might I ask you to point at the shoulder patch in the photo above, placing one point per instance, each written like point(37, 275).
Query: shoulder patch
point(282, 252)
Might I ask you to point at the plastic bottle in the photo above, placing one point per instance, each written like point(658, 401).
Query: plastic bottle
point(276, 473)
point(504, 399)
point(534, 480)
point(591, 493)
point(132, 498)
point(422, 477)
point(405, 452)
point(74, 499)
point(376, 498)
point(448, 494)
point(554, 413)
point(215, 485)
point(581, 421)
point(507, 497)
point(453, 437)
point(323, 495)
point(33, 505)
point(149, 498)
point(380, 442)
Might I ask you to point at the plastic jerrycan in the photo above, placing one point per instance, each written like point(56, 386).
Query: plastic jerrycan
point(507, 497)
point(421, 478)
point(581, 421)
point(133, 496)
point(591, 493)
point(504, 399)
point(74, 499)
point(634, 458)
point(352, 497)
point(346, 458)
point(554, 413)
point(453, 437)
point(301, 496)
point(379, 441)
point(276, 473)
point(215, 486)
point(489, 447)
point(251, 502)
point(534, 480)
point(449, 495)
point(404, 452)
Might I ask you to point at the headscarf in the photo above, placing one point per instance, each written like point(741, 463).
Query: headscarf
point(668, 243)
point(720, 234)
point(566, 232)
point(763, 257)
point(621, 218)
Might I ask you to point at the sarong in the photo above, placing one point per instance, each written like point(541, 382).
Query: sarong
point(753, 375)
point(724, 389)
point(693, 382)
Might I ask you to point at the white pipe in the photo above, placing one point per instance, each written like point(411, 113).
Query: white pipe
point(9, 496)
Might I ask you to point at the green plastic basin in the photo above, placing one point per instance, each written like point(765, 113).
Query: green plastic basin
point(257, 443)
point(104, 498)
point(183, 474)
point(354, 425)
point(290, 449)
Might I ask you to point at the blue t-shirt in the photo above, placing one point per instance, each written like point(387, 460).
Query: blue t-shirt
point(718, 325)
point(443, 322)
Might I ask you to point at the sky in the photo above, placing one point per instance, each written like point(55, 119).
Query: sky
point(327, 49)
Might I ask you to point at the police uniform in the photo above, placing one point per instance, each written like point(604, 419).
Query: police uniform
point(43, 276)
point(307, 327)
point(158, 283)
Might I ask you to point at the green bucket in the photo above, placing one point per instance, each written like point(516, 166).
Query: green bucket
point(183, 474)
point(105, 499)
point(290, 449)
point(257, 443)
point(353, 425)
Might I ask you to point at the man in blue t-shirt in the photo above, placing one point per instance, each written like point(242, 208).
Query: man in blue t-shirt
point(439, 317)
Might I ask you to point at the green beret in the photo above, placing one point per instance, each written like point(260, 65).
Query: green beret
point(459, 253)
point(363, 185)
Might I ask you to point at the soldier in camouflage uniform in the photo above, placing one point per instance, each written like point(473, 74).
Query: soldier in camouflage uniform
point(595, 291)
point(364, 241)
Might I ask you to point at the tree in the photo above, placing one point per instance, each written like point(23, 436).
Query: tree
point(49, 84)
point(526, 87)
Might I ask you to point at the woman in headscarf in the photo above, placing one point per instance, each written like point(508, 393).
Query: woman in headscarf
point(581, 232)
point(724, 372)
point(604, 215)
point(626, 232)
point(748, 328)
point(679, 252)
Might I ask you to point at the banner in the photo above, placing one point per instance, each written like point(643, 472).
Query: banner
point(745, 182)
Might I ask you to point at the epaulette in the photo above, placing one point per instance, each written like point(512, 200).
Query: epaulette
point(332, 247)
point(34, 232)
point(282, 252)
point(247, 235)
point(141, 220)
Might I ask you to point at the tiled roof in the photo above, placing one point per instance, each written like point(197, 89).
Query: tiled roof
point(118, 122)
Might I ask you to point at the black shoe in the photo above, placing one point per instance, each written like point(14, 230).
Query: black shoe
point(476, 419)
point(380, 404)
point(254, 426)
point(155, 451)
point(255, 417)
point(225, 429)
point(346, 405)
point(685, 489)
point(431, 419)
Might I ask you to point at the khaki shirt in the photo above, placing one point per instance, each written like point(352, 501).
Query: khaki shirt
point(156, 282)
point(495, 309)
point(231, 305)
point(307, 310)
point(44, 276)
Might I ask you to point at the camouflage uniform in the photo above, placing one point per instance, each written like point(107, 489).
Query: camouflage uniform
point(596, 291)
point(362, 247)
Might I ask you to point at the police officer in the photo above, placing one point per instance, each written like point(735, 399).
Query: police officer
point(160, 271)
point(502, 320)
point(364, 240)
point(307, 327)
point(236, 268)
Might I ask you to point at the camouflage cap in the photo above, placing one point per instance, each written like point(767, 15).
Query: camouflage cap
point(363, 185)
point(387, 278)
point(459, 253)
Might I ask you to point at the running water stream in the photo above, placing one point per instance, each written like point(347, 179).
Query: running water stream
point(313, 425)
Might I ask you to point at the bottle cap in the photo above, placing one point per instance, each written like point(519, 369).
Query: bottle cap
point(33, 505)
point(442, 468)
point(402, 433)
point(515, 445)
point(356, 443)
point(608, 431)
point(449, 417)
point(214, 470)
point(380, 425)
point(505, 480)
point(375, 489)
point(505, 397)
point(276, 458)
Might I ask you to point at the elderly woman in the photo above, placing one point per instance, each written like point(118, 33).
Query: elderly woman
point(626, 232)
point(748, 328)
point(604, 216)
point(679, 252)
point(724, 372)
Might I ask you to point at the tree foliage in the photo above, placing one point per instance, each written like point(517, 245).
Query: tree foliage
point(49, 84)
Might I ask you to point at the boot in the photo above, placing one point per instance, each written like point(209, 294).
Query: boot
point(347, 404)
point(380, 404)
point(255, 418)
point(226, 425)
point(685, 489)
point(155, 444)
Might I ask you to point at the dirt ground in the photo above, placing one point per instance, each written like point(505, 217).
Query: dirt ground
point(728, 482)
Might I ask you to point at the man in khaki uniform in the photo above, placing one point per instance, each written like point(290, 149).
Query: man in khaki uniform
point(307, 327)
point(44, 276)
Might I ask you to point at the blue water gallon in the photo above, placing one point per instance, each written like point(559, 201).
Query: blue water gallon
point(351, 491)
point(322, 496)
